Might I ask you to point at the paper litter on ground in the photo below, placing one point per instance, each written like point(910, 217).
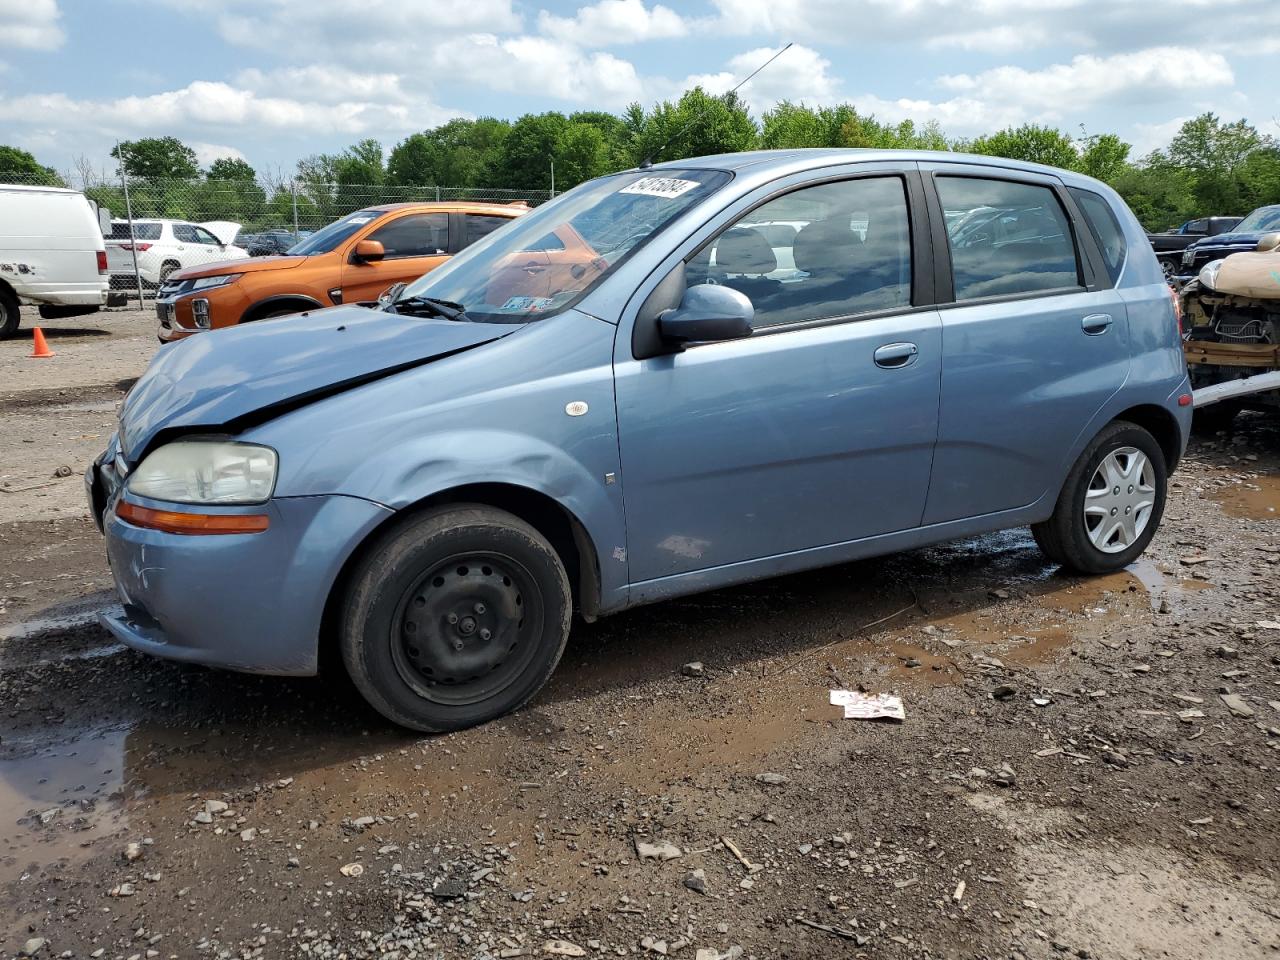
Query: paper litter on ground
point(868, 706)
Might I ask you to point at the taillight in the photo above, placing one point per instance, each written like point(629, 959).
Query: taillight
point(140, 247)
point(102, 261)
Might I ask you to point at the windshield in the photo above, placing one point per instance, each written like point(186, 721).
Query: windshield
point(1262, 220)
point(324, 240)
point(545, 261)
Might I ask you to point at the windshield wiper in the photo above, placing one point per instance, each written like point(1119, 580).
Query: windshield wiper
point(440, 308)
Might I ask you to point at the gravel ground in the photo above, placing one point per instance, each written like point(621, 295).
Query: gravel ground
point(1088, 767)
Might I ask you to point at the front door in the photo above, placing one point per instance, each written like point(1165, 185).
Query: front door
point(413, 244)
point(1034, 345)
point(819, 428)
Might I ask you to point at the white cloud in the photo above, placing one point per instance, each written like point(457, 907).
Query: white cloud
point(206, 153)
point(326, 83)
point(31, 24)
point(800, 74)
point(550, 67)
point(203, 106)
point(612, 22)
point(1141, 76)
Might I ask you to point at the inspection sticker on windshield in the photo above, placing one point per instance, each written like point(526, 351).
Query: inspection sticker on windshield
point(665, 187)
point(532, 304)
point(359, 220)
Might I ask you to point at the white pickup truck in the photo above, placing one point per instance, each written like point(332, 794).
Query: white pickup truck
point(51, 254)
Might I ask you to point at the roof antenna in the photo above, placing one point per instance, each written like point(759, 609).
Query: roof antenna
point(647, 162)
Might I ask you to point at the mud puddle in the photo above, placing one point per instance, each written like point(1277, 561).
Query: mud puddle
point(1254, 499)
point(60, 802)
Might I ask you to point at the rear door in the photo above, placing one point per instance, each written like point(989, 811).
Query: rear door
point(1034, 342)
point(414, 244)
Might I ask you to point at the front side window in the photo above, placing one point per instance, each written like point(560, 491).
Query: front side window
point(185, 233)
point(204, 236)
point(415, 235)
point(545, 261)
point(1006, 238)
point(480, 225)
point(1105, 228)
point(831, 250)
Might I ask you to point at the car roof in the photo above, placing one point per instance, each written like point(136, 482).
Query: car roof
point(33, 188)
point(514, 208)
point(796, 160)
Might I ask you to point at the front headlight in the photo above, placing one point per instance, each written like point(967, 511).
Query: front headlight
point(1209, 274)
point(206, 471)
point(204, 283)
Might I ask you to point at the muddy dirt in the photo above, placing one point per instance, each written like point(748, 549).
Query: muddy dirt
point(1068, 781)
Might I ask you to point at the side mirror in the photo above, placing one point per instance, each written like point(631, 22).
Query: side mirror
point(1269, 243)
point(368, 250)
point(708, 312)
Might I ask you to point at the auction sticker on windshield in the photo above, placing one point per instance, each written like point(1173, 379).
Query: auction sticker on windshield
point(666, 187)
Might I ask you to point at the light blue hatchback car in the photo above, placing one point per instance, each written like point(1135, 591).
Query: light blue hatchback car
point(664, 381)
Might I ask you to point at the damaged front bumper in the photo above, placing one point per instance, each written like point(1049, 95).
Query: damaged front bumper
point(248, 602)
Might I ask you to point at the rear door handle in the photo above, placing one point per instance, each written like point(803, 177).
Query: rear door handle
point(893, 355)
point(1096, 323)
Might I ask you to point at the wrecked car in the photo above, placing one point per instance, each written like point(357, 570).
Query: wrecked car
point(1232, 333)
point(642, 390)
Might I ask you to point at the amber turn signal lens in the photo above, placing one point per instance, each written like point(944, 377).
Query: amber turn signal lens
point(173, 521)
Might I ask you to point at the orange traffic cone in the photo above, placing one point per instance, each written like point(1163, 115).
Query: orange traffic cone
point(40, 347)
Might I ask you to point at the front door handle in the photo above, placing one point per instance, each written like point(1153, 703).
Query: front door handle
point(893, 355)
point(1096, 323)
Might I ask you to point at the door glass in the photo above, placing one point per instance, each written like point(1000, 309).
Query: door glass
point(204, 236)
point(1006, 238)
point(415, 235)
point(481, 225)
point(831, 250)
point(185, 233)
point(1105, 228)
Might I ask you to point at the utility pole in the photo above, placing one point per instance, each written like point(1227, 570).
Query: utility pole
point(553, 179)
point(293, 194)
point(128, 212)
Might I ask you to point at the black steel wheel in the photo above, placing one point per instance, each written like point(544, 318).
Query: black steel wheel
point(9, 315)
point(454, 617)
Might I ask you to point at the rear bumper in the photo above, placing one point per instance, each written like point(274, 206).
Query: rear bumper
point(248, 602)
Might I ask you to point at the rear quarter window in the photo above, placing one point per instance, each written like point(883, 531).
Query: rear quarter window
point(1104, 226)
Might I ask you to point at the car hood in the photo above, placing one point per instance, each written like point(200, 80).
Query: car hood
point(1229, 240)
point(254, 265)
point(230, 379)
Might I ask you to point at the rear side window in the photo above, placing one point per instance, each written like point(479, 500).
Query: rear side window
point(1006, 238)
point(1105, 228)
point(415, 235)
point(481, 225)
point(141, 231)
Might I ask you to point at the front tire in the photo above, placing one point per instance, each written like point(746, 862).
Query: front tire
point(9, 315)
point(1111, 503)
point(455, 617)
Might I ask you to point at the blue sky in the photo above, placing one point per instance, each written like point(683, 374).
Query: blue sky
point(273, 80)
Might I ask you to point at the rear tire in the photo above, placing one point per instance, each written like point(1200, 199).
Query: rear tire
point(455, 617)
point(9, 315)
point(166, 268)
point(1110, 505)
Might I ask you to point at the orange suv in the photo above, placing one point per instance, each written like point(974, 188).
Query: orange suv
point(352, 260)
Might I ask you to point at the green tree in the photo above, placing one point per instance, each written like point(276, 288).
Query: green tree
point(791, 126)
point(1214, 154)
point(1103, 156)
point(157, 158)
point(1030, 142)
point(524, 161)
point(231, 168)
point(581, 153)
point(696, 125)
point(460, 153)
point(19, 166)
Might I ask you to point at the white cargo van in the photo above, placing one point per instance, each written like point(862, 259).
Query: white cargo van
point(51, 254)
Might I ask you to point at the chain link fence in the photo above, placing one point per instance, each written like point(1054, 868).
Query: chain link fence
point(265, 207)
